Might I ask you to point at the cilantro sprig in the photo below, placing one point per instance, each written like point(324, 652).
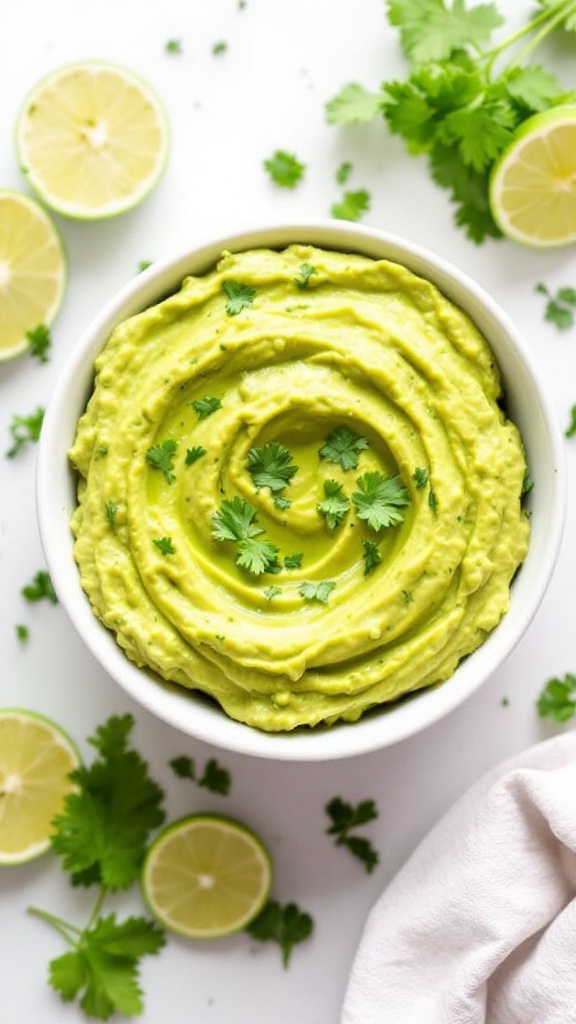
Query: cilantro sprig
point(557, 700)
point(161, 456)
point(236, 521)
point(560, 307)
point(271, 466)
point(459, 104)
point(214, 776)
point(342, 447)
point(345, 819)
point(335, 505)
point(24, 429)
point(379, 500)
point(287, 925)
point(284, 169)
point(40, 588)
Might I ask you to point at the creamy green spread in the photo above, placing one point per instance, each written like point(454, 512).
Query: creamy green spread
point(298, 492)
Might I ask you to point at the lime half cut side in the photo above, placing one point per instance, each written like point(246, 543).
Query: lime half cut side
point(92, 140)
point(206, 876)
point(533, 185)
point(36, 758)
point(32, 271)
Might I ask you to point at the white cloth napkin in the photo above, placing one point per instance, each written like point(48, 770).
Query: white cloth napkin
point(479, 926)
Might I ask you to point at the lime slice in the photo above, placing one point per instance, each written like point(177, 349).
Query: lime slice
point(32, 271)
point(206, 876)
point(92, 140)
point(36, 757)
point(533, 185)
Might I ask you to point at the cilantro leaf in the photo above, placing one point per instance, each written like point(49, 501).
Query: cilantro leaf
point(40, 342)
point(193, 454)
point(379, 499)
point(353, 104)
point(533, 87)
point(305, 272)
point(271, 466)
point(205, 406)
point(345, 817)
point(420, 477)
point(183, 767)
point(352, 205)
point(215, 777)
point(235, 520)
point(287, 925)
point(258, 556)
point(111, 512)
point(40, 588)
point(284, 169)
point(372, 556)
point(342, 447)
point(102, 832)
point(430, 30)
point(24, 429)
point(319, 592)
point(161, 457)
point(293, 561)
point(240, 296)
point(560, 306)
point(335, 505)
point(164, 545)
point(558, 699)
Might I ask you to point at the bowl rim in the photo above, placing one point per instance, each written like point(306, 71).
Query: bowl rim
point(166, 701)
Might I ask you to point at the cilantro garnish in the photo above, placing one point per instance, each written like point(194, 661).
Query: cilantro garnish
point(305, 272)
point(193, 454)
point(206, 405)
point(459, 105)
point(287, 925)
point(379, 499)
point(271, 466)
point(173, 46)
point(319, 592)
point(571, 428)
point(342, 447)
point(111, 512)
point(284, 169)
point(420, 477)
point(24, 429)
point(40, 589)
point(101, 837)
point(352, 205)
point(235, 521)
point(40, 342)
point(219, 48)
point(372, 556)
point(345, 817)
point(161, 457)
point(343, 172)
point(558, 699)
point(335, 505)
point(560, 306)
point(164, 545)
point(271, 592)
point(214, 777)
point(22, 632)
point(293, 561)
point(240, 296)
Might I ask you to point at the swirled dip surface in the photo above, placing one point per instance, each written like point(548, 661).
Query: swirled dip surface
point(303, 353)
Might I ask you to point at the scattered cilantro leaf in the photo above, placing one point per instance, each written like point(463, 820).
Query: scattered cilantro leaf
point(379, 499)
point(305, 272)
point(219, 48)
point(352, 205)
point(342, 447)
point(433, 500)
point(143, 265)
point(558, 699)
point(420, 477)
point(161, 457)
point(560, 306)
point(316, 592)
point(271, 592)
point(164, 545)
point(183, 767)
point(24, 429)
point(235, 521)
point(40, 588)
point(22, 632)
point(240, 296)
point(215, 777)
point(343, 172)
point(353, 104)
point(432, 31)
point(571, 428)
point(111, 512)
point(173, 46)
point(206, 405)
point(346, 817)
point(284, 169)
point(193, 454)
point(335, 505)
point(257, 556)
point(372, 556)
point(40, 342)
point(281, 503)
point(287, 925)
point(271, 466)
point(293, 561)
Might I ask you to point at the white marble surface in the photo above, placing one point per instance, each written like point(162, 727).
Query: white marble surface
point(228, 113)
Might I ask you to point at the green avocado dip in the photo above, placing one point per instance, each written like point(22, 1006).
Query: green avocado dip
point(298, 492)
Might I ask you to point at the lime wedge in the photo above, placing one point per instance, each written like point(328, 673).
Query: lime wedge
point(92, 140)
point(206, 876)
point(533, 185)
point(36, 758)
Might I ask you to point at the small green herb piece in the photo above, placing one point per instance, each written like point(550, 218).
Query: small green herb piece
point(281, 503)
point(235, 521)
point(352, 205)
point(527, 483)
point(271, 466)
point(433, 500)
point(111, 512)
point(219, 48)
point(571, 428)
point(22, 632)
point(420, 477)
point(165, 545)
point(101, 451)
point(206, 406)
point(407, 595)
point(558, 699)
point(287, 925)
point(343, 172)
point(161, 457)
point(24, 429)
point(353, 105)
point(284, 169)
point(335, 506)
point(380, 499)
point(240, 296)
point(343, 447)
point(143, 265)
point(271, 592)
point(193, 454)
point(346, 817)
point(305, 272)
point(173, 46)
point(40, 589)
point(40, 342)
point(293, 561)
point(215, 777)
point(316, 592)
point(372, 556)
point(560, 307)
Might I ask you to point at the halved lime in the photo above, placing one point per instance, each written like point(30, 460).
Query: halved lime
point(206, 876)
point(533, 185)
point(36, 758)
point(32, 271)
point(92, 140)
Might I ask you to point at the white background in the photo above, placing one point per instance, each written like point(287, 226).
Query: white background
point(229, 112)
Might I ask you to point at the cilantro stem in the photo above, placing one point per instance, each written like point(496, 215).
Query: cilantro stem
point(547, 19)
point(63, 927)
point(97, 907)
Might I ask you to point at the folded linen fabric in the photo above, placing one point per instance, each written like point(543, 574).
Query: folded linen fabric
point(479, 926)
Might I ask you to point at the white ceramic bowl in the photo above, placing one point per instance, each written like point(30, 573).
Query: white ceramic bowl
point(527, 406)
